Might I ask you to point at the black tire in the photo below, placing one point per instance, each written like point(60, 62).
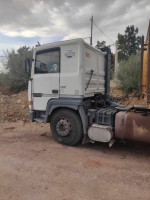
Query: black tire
point(73, 131)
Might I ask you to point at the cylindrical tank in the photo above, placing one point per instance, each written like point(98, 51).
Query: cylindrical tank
point(132, 126)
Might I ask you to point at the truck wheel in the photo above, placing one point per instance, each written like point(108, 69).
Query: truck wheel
point(66, 127)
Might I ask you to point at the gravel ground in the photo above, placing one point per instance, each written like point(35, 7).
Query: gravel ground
point(35, 167)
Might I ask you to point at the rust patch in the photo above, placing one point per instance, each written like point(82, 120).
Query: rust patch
point(142, 130)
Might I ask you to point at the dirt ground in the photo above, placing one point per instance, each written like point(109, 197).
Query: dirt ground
point(35, 167)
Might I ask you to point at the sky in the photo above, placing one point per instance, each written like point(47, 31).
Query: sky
point(24, 22)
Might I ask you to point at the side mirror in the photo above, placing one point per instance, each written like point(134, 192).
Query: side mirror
point(27, 66)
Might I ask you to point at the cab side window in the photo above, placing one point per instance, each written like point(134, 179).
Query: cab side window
point(47, 61)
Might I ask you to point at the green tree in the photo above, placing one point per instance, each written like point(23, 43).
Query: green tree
point(129, 74)
point(13, 64)
point(128, 43)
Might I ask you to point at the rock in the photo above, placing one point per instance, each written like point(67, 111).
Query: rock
point(23, 106)
point(43, 134)
point(2, 100)
point(19, 101)
point(14, 95)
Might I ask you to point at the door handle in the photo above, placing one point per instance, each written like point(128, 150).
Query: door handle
point(55, 91)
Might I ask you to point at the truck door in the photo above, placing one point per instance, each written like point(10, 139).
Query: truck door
point(46, 77)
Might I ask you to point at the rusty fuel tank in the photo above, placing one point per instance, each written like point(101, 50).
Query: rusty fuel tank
point(132, 126)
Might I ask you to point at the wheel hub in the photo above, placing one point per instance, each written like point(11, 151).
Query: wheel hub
point(63, 127)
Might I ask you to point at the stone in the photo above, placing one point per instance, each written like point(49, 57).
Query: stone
point(23, 106)
point(19, 101)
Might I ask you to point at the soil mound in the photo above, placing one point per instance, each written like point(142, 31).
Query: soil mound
point(14, 107)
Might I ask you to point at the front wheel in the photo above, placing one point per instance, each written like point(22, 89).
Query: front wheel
point(66, 127)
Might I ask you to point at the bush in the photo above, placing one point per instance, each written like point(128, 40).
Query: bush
point(3, 78)
point(129, 74)
point(15, 77)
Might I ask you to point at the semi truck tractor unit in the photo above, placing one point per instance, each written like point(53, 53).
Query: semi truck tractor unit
point(69, 88)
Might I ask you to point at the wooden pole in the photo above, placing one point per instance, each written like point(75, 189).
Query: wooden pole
point(91, 30)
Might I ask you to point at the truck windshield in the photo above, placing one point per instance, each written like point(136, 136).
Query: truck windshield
point(47, 62)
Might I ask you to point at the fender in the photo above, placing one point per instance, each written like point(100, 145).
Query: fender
point(75, 104)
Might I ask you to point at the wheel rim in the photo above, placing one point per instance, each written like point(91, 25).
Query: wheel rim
point(63, 127)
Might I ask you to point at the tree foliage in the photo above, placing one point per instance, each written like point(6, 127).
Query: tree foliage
point(129, 73)
point(128, 43)
point(13, 64)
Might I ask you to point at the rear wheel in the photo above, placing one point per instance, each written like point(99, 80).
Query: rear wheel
point(66, 127)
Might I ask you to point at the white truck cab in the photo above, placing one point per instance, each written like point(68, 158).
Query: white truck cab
point(66, 78)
